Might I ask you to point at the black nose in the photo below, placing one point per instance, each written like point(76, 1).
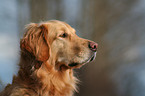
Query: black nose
point(93, 46)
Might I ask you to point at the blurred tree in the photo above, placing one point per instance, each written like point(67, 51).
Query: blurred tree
point(38, 10)
point(99, 19)
point(42, 10)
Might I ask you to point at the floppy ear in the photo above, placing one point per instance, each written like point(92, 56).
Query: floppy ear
point(35, 41)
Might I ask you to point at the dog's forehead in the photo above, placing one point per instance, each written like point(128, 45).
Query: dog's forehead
point(61, 26)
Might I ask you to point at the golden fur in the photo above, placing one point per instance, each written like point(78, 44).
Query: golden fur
point(49, 53)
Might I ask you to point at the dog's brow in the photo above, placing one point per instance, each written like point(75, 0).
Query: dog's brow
point(62, 29)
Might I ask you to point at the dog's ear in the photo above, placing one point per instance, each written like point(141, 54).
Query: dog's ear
point(35, 41)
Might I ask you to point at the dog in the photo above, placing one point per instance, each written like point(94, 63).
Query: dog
point(49, 53)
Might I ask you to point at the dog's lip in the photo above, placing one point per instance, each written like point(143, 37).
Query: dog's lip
point(87, 61)
point(73, 64)
point(91, 58)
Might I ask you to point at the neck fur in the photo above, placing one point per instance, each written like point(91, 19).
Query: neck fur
point(43, 78)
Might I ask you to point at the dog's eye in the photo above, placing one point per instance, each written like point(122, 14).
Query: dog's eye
point(64, 35)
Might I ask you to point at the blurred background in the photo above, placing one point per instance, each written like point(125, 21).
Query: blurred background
point(118, 26)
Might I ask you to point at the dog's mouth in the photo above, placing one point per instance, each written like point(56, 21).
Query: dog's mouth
point(80, 64)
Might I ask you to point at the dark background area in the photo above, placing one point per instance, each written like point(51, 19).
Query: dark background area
point(118, 26)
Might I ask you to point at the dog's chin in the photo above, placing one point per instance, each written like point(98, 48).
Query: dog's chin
point(78, 65)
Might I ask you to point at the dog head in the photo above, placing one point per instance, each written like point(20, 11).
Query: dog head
point(56, 42)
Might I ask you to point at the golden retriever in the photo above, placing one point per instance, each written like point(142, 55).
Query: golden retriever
point(49, 53)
